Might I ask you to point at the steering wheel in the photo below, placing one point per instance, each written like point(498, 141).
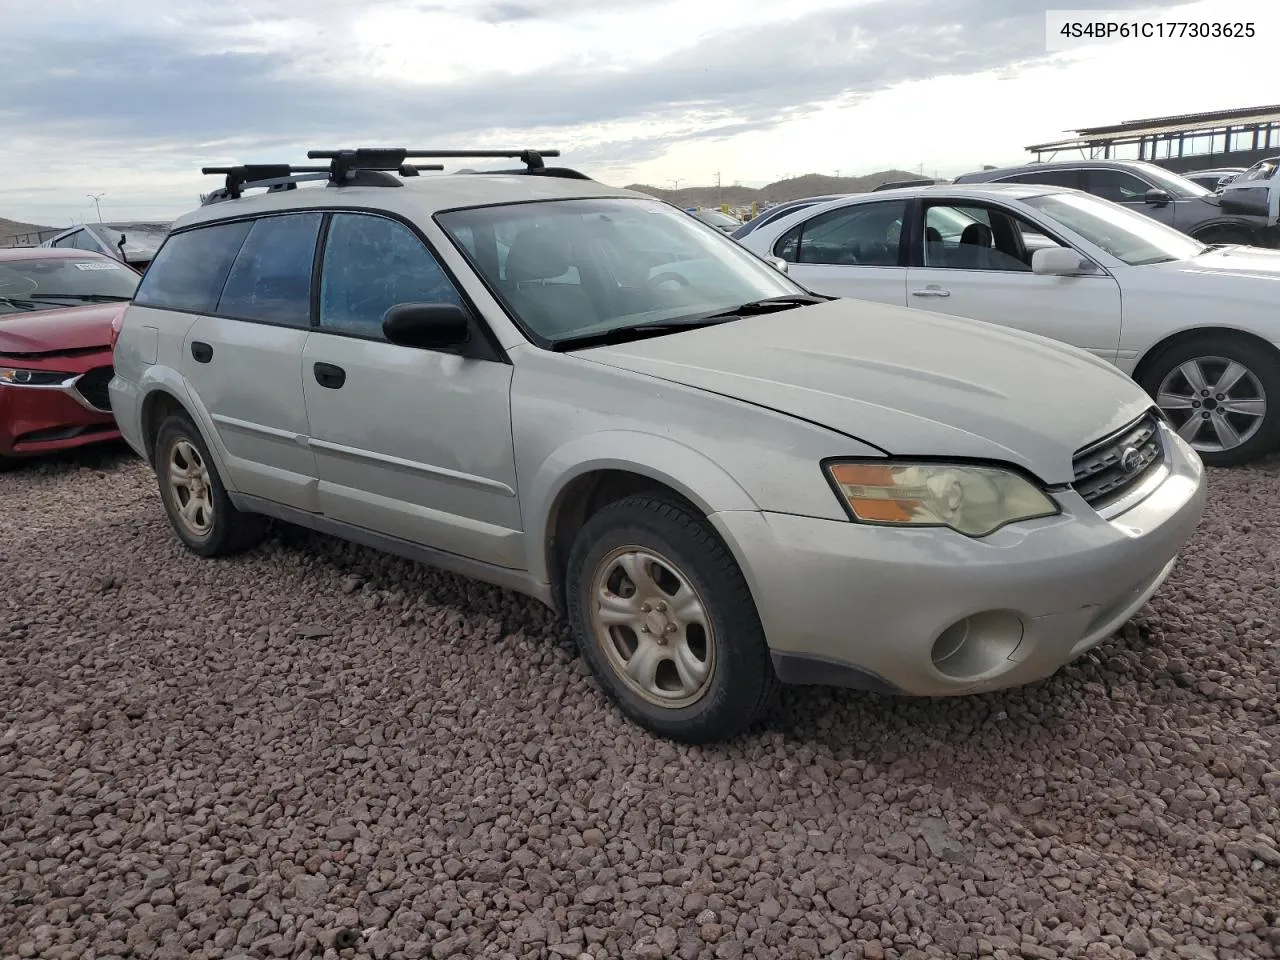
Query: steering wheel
point(668, 277)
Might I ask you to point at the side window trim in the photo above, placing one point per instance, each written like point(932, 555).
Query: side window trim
point(483, 347)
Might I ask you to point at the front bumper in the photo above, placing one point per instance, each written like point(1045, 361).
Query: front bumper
point(43, 419)
point(931, 612)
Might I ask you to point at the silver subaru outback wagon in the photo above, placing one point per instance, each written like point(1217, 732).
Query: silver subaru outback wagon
point(721, 480)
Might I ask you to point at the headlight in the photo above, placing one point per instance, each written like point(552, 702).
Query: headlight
point(972, 500)
point(15, 376)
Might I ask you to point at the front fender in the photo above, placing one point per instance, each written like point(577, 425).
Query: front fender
point(687, 471)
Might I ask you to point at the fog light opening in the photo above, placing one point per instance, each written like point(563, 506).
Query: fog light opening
point(977, 645)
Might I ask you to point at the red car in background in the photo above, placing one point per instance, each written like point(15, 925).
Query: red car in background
point(57, 312)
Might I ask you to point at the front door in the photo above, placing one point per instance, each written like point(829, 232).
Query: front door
point(852, 251)
point(982, 271)
point(411, 443)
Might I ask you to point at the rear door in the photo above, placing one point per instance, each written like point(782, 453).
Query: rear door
point(984, 273)
point(248, 285)
point(852, 251)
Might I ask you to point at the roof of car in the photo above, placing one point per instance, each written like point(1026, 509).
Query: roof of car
point(1008, 191)
point(979, 175)
point(418, 196)
point(49, 253)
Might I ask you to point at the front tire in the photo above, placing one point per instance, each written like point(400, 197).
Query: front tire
point(665, 621)
point(1222, 394)
point(199, 509)
point(1228, 234)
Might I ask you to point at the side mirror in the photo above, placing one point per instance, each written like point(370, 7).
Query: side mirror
point(426, 325)
point(778, 264)
point(1157, 197)
point(1059, 262)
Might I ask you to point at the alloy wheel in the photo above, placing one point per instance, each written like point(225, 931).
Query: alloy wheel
point(1216, 404)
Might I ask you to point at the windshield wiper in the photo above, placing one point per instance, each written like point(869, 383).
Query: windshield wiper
point(23, 303)
point(770, 305)
point(87, 297)
point(635, 331)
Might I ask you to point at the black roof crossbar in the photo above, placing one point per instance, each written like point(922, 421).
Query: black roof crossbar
point(370, 166)
point(389, 158)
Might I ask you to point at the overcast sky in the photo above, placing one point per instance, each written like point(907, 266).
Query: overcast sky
point(129, 98)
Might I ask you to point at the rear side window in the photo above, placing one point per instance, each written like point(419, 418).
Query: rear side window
point(865, 234)
point(190, 269)
point(270, 280)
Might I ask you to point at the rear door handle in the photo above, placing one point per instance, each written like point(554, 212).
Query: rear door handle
point(202, 352)
point(329, 375)
point(931, 292)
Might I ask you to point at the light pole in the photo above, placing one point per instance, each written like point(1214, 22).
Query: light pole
point(675, 183)
point(95, 197)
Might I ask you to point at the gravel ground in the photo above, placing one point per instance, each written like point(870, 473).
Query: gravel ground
point(315, 745)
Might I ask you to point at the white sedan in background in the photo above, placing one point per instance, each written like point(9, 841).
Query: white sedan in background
point(1197, 326)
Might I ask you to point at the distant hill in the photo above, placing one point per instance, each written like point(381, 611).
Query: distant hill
point(793, 188)
point(9, 229)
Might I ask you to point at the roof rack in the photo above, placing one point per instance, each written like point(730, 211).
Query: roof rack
point(370, 167)
point(386, 158)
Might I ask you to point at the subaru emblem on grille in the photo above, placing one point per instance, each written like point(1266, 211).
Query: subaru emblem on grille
point(1129, 459)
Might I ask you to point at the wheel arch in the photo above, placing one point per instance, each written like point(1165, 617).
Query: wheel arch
point(563, 497)
point(1226, 222)
point(1160, 347)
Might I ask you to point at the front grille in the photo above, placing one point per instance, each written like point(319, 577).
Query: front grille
point(93, 387)
point(1109, 468)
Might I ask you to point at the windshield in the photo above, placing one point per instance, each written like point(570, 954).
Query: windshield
point(48, 283)
point(571, 268)
point(1173, 184)
point(1132, 237)
point(717, 218)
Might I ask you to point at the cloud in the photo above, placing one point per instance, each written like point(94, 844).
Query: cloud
point(196, 83)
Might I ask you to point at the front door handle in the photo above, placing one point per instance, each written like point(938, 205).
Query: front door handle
point(329, 375)
point(202, 352)
point(931, 292)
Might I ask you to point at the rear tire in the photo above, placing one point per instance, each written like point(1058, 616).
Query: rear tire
point(664, 619)
point(1227, 384)
point(199, 509)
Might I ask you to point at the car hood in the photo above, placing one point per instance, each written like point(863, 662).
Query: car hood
point(1228, 262)
point(59, 330)
point(911, 382)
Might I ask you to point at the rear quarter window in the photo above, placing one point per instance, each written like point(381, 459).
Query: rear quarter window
point(189, 271)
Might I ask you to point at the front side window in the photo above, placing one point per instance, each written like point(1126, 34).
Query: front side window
point(371, 264)
point(189, 271)
point(48, 283)
point(573, 268)
point(270, 280)
point(860, 235)
point(1131, 237)
point(1117, 186)
point(968, 237)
